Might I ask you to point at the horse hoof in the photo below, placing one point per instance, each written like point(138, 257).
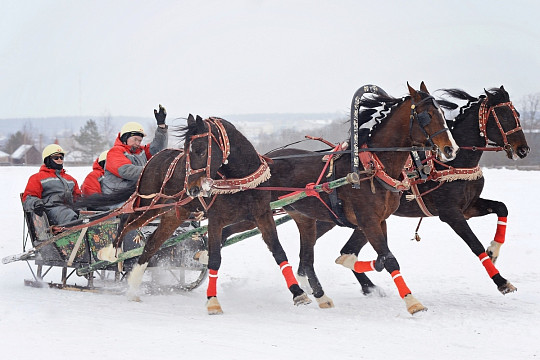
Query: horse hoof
point(213, 307)
point(413, 305)
point(302, 299)
point(507, 288)
point(373, 291)
point(134, 298)
point(325, 302)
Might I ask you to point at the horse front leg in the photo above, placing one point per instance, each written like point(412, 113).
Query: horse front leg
point(168, 223)
point(267, 226)
point(456, 220)
point(483, 207)
point(385, 260)
point(214, 262)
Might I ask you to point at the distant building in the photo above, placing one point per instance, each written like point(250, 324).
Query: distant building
point(4, 158)
point(26, 155)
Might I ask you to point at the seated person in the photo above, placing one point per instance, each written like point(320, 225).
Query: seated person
point(127, 158)
point(51, 189)
point(92, 182)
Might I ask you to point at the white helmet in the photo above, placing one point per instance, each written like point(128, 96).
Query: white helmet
point(132, 127)
point(52, 149)
point(103, 156)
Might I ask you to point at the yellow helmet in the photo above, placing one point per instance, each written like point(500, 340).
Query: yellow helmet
point(52, 149)
point(103, 156)
point(132, 127)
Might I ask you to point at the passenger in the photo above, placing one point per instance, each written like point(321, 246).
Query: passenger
point(126, 159)
point(51, 189)
point(92, 182)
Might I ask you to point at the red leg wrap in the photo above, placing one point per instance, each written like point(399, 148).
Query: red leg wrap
point(286, 270)
point(364, 266)
point(400, 284)
point(212, 282)
point(486, 261)
point(500, 234)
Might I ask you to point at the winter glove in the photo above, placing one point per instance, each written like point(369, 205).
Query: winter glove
point(161, 115)
point(39, 208)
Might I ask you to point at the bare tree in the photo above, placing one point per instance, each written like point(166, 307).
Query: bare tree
point(107, 128)
point(530, 116)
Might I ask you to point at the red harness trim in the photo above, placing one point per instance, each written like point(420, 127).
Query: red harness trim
point(370, 160)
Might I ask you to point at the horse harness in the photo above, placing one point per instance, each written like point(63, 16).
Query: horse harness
point(425, 169)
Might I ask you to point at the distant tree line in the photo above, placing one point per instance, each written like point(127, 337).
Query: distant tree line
point(93, 138)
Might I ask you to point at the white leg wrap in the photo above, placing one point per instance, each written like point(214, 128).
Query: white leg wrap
point(347, 260)
point(108, 253)
point(493, 251)
point(134, 281)
point(202, 257)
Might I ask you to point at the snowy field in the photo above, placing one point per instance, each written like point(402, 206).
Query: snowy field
point(467, 317)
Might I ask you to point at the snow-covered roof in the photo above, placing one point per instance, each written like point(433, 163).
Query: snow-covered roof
point(3, 154)
point(21, 150)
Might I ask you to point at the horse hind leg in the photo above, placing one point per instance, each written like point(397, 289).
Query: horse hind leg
point(353, 246)
point(309, 229)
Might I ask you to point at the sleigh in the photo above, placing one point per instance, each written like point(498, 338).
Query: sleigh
point(69, 259)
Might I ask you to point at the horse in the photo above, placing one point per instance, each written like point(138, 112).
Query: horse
point(455, 194)
point(168, 189)
point(415, 120)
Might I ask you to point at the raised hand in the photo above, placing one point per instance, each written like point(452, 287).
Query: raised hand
point(160, 115)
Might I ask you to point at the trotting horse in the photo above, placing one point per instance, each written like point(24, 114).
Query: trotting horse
point(452, 190)
point(414, 120)
point(214, 152)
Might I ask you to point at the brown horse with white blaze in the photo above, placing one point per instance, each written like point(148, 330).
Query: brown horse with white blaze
point(415, 120)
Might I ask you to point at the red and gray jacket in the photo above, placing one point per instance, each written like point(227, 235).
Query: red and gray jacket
point(92, 182)
point(123, 167)
point(54, 187)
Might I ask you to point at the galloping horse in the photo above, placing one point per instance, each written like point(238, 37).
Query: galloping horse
point(454, 195)
point(414, 120)
point(213, 149)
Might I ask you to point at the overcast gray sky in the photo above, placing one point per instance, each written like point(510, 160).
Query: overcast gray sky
point(65, 58)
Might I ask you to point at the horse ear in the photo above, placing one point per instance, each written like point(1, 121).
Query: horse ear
point(423, 87)
point(190, 120)
point(201, 128)
point(413, 93)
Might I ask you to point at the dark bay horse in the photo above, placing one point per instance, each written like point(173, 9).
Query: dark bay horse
point(367, 208)
point(214, 151)
point(454, 196)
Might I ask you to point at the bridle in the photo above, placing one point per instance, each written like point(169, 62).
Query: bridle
point(483, 115)
point(222, 140)
point(423, 119)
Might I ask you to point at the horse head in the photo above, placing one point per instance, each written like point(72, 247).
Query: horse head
point(207, 148)
point(499, 123)
point(428, 125)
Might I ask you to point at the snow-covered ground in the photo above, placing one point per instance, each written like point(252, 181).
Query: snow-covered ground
point(467, 317)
